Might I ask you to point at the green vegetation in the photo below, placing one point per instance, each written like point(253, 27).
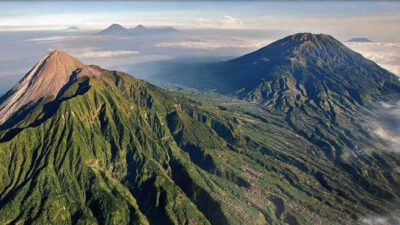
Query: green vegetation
point(117, 150)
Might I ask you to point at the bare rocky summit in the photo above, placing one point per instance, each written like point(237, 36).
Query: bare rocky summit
point(44, 80)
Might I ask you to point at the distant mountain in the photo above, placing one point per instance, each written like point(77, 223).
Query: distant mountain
point(114, 29)
point(140, 27)
point(84, 145)
point(359, 40)
point(117, 29)
point(73, 28)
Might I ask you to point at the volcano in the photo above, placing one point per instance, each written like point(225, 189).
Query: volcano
point(83, 145)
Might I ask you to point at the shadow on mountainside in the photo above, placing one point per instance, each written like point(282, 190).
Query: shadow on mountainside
point(49, 109)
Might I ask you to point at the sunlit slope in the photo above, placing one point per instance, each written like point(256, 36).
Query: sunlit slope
point(102, 152)
point(112, 149)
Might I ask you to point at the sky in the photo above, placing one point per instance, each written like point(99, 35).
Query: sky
point(379, 20)
point(209, 30)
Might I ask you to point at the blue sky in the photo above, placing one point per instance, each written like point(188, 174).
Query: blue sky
point(342, 18)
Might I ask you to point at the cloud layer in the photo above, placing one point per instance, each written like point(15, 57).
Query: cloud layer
point(96, 53)
point(386, 54)
point(247, 43)
point(387, 126)
point(381, 220)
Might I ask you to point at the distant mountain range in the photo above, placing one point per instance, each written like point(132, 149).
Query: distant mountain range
point(359, 40)
point(73, 28)
point(116, 29)
point(83, 145)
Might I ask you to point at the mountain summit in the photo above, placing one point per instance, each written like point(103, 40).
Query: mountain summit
point(72, 29)
point(44, 81)
point(114, 29)
point(359, 39)
point(300, 68)
point(298, 48)
point(140, 27)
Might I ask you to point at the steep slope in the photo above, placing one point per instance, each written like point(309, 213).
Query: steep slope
point(111, 149)
point(44, 81)
point(101, 152)
point(309, 66)
point(298, 68)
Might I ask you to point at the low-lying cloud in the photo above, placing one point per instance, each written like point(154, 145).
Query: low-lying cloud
point(393, 219)
point(215, 44)
point(226, 22)
point(387, 126)
point(96, 53)
point(48, 39)
point(386, 54)
point(112, 59)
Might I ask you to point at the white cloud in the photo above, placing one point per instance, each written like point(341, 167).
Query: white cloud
point(215, 44)
point(386, 54)
point(231, 21)
point(108, 59)
point(117, 62)
point(381, 220)
point(47, 39)
point(392, 139)
point(226, 22)
point(106, 54)
point(387, 126)
point(65, 38)
point(96, 53)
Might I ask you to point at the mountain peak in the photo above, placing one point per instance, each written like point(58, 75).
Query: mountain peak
point(298, 48)
point(303, 48)
point(140, 27)
point(114, 29)
point(300, 41)
point(44, 80)
point(310, 37)
point(359, 39)
point(73, 28)
point(54, 53)
point(116, 26)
